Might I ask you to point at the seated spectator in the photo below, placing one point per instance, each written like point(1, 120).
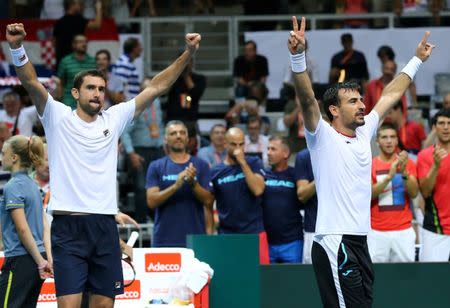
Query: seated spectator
point(433, 169)
point(19, 120)
point(71, 65)
point(124, 78)
point(394, 184)
point(349, 63)
point(293, 120)
point(353, 7)
point(374, 87)
point(52, 9)
point(386, 53)
point(103, 64)
point(254, 105)
point(411, 134)
point(238, 185)
point(248, 68)
point(418, 6)
point(71, 24)
point(256, 144)
point(214, 153)
point(281, 207)
point(184, 96)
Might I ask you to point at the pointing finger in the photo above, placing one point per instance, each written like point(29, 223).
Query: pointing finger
point(425, 38)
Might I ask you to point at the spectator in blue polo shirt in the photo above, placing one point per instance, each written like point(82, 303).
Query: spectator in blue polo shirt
point(238, 185)
point(281, 207)
point(306, 192)
point(177, 190)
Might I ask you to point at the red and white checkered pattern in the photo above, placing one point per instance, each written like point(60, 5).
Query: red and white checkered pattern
point(48, 54)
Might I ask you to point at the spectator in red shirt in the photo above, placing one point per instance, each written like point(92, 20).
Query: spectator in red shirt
point(433, 170)
point(374, 87)
point(394, 183)
point(411, 133)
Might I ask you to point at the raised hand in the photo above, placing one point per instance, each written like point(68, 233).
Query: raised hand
point(239, 155)
point(439, 154)
point(424, 48)
point(393, 170)
point(193, 41)
point(15, 34)
point(296, 41)
point(191, 173)
point(402, 160)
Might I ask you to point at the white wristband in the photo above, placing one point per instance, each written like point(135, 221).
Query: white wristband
point(412, 67)
point(19, 56)
point(298, 62)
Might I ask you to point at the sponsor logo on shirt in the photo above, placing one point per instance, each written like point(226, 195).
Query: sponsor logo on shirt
point(230, 178)
point(131, 292)
point(170, 177)
point(106, 132)
point(280, 183)
point(162, 262)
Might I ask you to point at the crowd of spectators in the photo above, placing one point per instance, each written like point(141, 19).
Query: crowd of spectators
point(119, 9)
point(175, 173)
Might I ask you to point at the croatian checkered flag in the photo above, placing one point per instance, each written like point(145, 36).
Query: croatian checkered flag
point(48, 55)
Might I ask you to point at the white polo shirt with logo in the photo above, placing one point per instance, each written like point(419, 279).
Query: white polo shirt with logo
point(83, 157)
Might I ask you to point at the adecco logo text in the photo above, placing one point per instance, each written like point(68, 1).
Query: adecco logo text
point(131, 292)
point(163, 262)
point(47, 293)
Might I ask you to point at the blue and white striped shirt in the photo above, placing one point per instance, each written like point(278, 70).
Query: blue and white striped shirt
point(125, 77)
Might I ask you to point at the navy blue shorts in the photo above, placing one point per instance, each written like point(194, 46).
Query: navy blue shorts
point(86, 255)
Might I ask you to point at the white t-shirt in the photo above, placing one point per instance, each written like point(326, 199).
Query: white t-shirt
point(342, 173)
point(258, 147)
point(83, 157)
point(27, 117)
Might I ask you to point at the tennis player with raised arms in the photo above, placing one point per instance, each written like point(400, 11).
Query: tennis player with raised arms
point(341, 159)
point(82, 151)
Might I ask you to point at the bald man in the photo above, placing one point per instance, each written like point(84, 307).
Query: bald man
point(238, 185)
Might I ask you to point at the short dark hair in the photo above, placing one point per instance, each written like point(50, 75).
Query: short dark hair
point(68, 3)
point(215, 126)
point(254, 118)
point(346, 37)
point(105, 51)
point(331, 95)
point(251, 42)
point(386, 125)
point(283, 140)
point(387, 50)
point(130, 44)
point(79, 78)
point(444, 112)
